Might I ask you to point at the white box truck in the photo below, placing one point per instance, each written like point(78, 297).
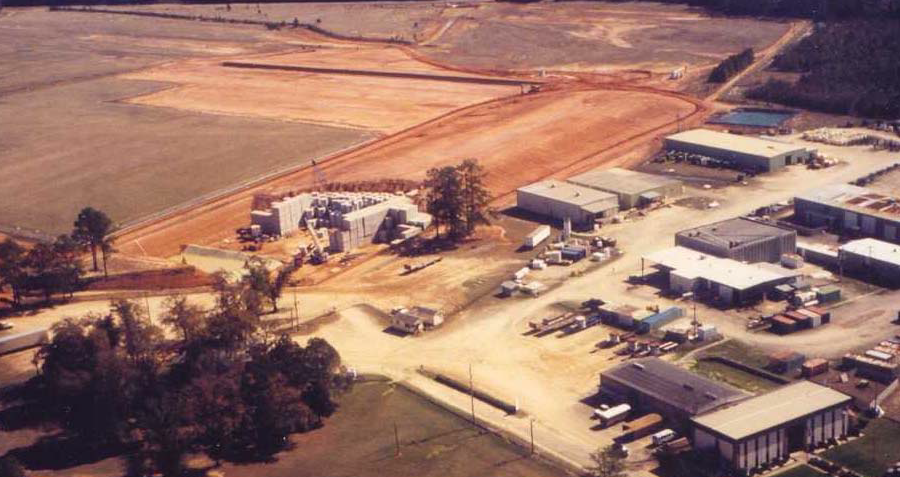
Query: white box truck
point(612, 415)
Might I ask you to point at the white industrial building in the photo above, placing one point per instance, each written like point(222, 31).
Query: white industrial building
point(353, 218)
point(746, 152)
point(730, 281)
point(633, 188)
point(561, 200)
point(766, 429)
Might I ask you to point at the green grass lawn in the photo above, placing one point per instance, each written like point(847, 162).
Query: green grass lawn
point(740, 352)
point(734, 377)
point(802, 470)
point(873, 453)
point(359, 441)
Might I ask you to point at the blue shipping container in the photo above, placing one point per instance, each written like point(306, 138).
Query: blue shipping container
point(653, 322)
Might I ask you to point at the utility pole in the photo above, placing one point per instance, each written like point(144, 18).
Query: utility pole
point(296, 312)
point(147, 304)
point(532, 436)
point(472, 394)
point(396, 440)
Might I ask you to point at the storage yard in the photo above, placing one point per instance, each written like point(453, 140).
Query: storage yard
point(586, 315)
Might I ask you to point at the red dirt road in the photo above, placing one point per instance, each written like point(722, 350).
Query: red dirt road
point(518, 140)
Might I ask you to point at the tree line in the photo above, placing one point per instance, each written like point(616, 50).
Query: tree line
point(847, 68)
point(457, 198)
point(731, 66)
point(203, 380)
point(54, 268)
point(814, 9)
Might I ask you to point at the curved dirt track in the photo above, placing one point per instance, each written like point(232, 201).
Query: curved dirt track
point(578, 122)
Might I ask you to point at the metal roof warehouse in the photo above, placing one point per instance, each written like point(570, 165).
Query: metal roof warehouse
point(666, 388)
point(746, 151)
point(771, 410)
point(758, 431)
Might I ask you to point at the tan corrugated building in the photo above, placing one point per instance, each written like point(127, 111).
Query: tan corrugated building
point(767, 428)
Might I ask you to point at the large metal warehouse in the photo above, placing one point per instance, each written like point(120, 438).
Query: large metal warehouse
point(767, 428)
point(849, 208)
point(745, 152)
point(633, 188)
point(561, 200)
point(741, 239)
point(730, 282)
point(654, 385)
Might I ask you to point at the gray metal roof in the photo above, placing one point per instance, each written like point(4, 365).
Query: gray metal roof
point(673, 385)
point(772, 409)
point(733, 142)
point(735, 232)
point(622, 181)
point(571, 193)
point(832, 194)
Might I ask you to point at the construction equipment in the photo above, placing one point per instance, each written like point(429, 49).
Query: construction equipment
point(415, 267)
point(318, 176)
point(319, 255)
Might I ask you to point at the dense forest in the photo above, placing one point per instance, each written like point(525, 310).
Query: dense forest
point(731, 66)
point(849, 67)
point(817, 9)
point(195, 380)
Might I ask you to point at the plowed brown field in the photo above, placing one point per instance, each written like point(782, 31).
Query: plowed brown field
point(518, 140)
point(375, 103)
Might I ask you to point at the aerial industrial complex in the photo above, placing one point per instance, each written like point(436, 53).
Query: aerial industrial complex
point(532, 260)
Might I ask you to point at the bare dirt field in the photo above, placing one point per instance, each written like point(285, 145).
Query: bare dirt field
point(580, 36)
point(74, 145)
point(68, 141)
point(597, 36)
point(382, 104)
point(564, 130)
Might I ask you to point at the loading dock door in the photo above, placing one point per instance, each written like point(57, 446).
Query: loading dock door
point(850, 220)
point(890, 233)
point(868, 225)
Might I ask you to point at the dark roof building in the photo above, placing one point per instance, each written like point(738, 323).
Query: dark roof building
point(741, 239)
point(654, 385)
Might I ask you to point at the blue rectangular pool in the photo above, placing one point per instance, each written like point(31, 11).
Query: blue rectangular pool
point(764, 118)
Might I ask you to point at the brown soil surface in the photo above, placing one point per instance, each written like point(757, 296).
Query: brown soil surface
point(518, 140)
point(364, 102)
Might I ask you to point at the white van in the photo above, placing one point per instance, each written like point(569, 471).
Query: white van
point(663, 436)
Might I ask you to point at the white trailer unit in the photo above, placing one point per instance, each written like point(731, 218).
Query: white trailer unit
point(20, 341)
point(537, 236)
point(612, 415)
